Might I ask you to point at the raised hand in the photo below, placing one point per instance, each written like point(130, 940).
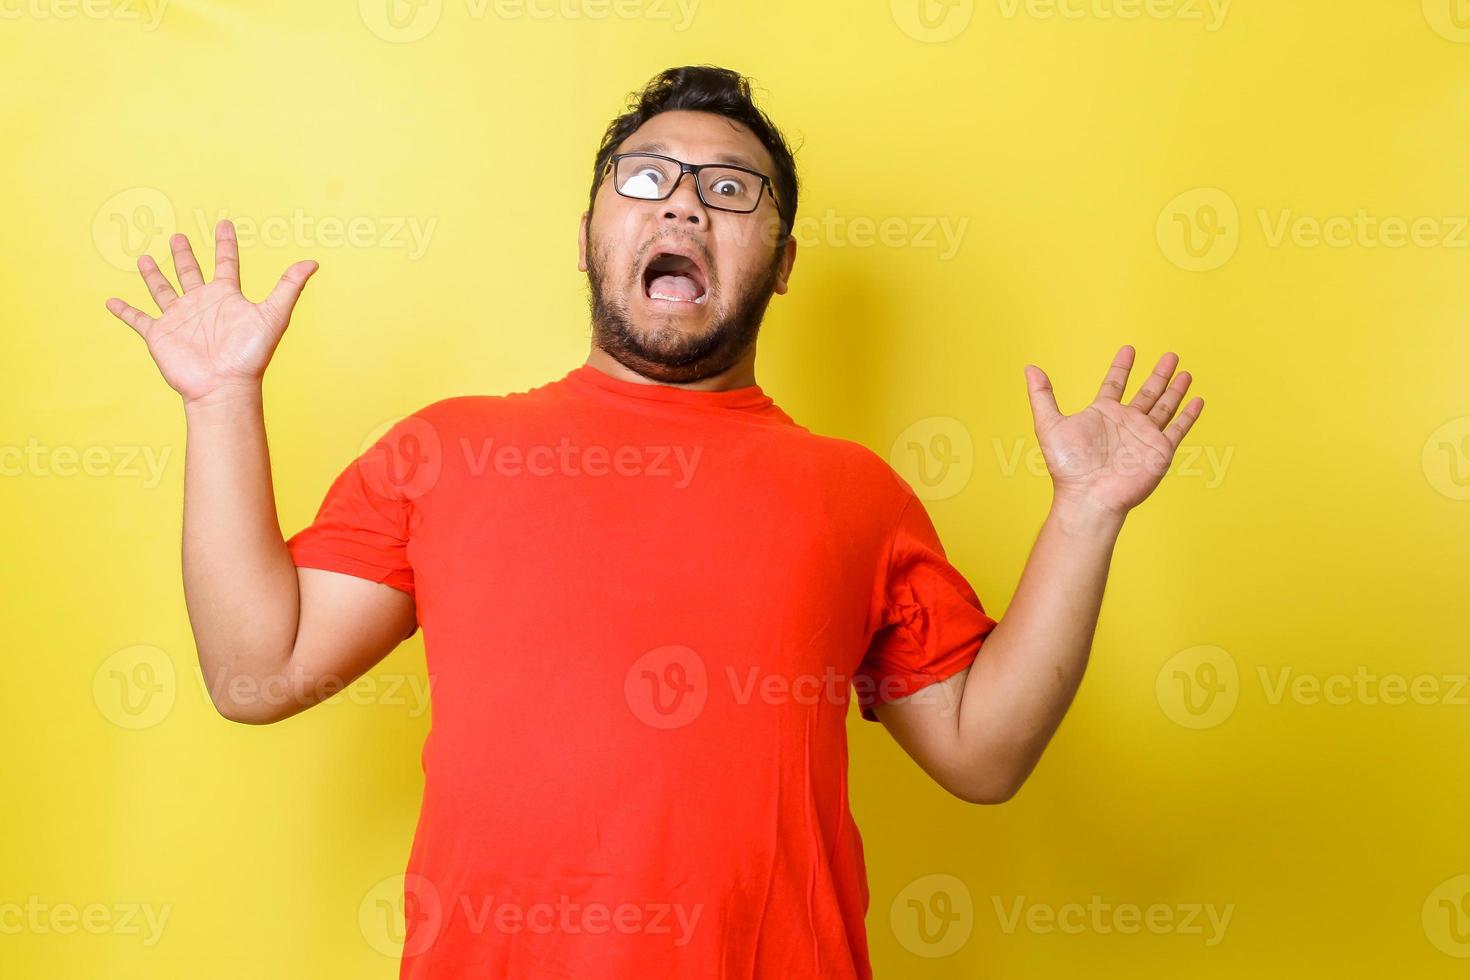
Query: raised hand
point(1109, 457)
point(211, 338)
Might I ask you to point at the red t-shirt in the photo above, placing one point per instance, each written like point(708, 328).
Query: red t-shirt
point(645, 610)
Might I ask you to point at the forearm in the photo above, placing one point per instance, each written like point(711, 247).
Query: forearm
point(240, 584)
point(1021, 685)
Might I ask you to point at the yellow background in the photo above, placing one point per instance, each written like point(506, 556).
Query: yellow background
point(1327, 538)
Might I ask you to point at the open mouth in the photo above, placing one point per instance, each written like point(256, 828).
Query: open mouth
point(674, 278)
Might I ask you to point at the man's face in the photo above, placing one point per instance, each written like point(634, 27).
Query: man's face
point(679, 318)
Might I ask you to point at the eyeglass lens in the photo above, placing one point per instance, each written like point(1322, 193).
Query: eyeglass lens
point(652, 179)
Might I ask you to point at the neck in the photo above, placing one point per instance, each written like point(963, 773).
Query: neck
point(741, 374)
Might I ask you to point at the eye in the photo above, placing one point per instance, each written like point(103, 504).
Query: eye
point(729, 187)
point(644, 183)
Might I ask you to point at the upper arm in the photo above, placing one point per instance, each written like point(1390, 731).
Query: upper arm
point(929, 628)
point(928, 623)
point(356, 582)
point(345, 625)
point(926, 726)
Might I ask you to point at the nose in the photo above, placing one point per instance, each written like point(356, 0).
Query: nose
point(684, 204)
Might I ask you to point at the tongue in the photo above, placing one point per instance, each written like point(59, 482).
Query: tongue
point(675, 285)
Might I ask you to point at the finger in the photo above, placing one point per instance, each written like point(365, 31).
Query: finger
point(1163, 409)
point(1153, 386)
point(1117, 376)
point(130, 315)
point(186, 267)
point(282, 299)
point(1043, 399)
point(226, 252)
point(158, 285)
point(1176, 432)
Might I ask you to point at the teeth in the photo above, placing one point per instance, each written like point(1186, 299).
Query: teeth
point(676, 299)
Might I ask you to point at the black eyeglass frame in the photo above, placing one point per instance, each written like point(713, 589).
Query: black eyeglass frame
point(695, 168)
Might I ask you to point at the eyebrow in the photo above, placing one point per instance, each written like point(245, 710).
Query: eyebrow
point(657, 147)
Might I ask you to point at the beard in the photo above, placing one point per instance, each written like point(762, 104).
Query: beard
point(663, 352)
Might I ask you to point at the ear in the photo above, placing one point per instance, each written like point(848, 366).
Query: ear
point(582, 242)
point(788, 262)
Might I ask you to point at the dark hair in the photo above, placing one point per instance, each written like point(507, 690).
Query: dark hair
point(704, 88)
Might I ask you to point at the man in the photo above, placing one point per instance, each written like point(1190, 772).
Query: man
point(647, 594)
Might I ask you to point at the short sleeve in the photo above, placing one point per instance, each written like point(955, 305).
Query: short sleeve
point(367, 518)
point(930, 623)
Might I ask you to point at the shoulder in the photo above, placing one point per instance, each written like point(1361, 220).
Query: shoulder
point(456, 412)
point(848, 467)
point(446, 427)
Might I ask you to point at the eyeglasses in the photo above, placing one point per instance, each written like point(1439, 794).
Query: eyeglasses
point(722, 186)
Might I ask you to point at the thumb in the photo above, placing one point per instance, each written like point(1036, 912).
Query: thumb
point(1043, 400)
point(282, 299)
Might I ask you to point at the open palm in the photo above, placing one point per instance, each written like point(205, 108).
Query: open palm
point(1112, 455)
point(211, 337)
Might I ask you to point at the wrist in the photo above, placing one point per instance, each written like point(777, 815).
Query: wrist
point(1083, 518)
point(225, 402)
